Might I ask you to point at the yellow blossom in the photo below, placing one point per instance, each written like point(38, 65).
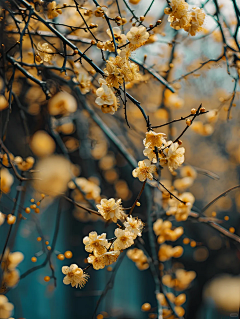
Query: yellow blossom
point(124, 239)
point(174, 156)
point(134, 225)
point(62, 103)
point(110, 209)
point(99, 262)
point(84, 83)
point(144, 170)
point(154, 139)
point(137, 35)
point(96, 244)
point(74, 276)
point(138, 256)
point(119, 37)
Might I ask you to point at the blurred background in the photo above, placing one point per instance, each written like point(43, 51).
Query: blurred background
point(212, 151)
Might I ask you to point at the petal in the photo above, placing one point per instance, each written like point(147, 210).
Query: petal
point(99, 101)
point(73, 267)
point(66, 280)
point(65, 270)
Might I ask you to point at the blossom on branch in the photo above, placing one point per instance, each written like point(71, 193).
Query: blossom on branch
point(125, 239)
point(144, 170)
point(74, 276)
point(174, 155)
point(137, 35)
point(96, 244)
point(110, 209)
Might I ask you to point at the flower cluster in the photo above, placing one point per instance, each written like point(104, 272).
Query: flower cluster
point(156, 147)
point(9, 264)
point(96, 244)
point(138, 256)
point(164, 232)
point(74, 276)
point(182, 18)
point(104, 252)
point(182, 280)
point(166, 252)
point(182, 209)
point(119, 69)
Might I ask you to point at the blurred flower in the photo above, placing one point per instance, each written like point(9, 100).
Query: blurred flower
point(2, 218)
point(138, 256)
point(12, 260)
point(3, 102)
point(164, 232)
point(42, 144)
point(6, 180)
point(45, 52)
point(9, 263)
point(225, 292)
point(183, 183)
point(134, 1)
point(62, 103)
point(74, 276)
point(188, 171)
point(179, 209)
point(6, 308)
point(52, 175)
point(84, 83)
point(11, 278)
point(167, 251)
point(24, 165)
point(184, 278)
